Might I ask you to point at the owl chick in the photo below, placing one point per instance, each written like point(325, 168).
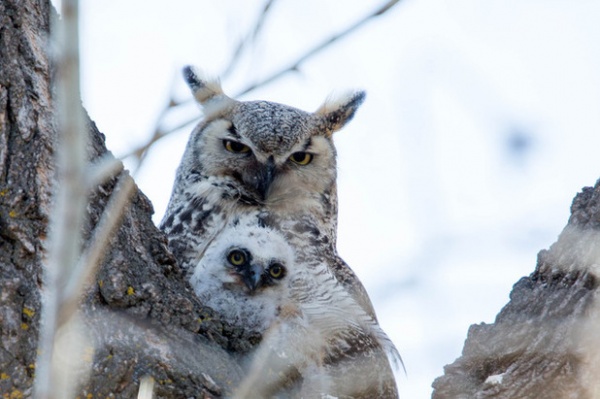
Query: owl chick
point(259, 155)
point(242, 275)
point(317, 340)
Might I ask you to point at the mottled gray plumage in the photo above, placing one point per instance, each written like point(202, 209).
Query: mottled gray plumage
point(262, 176)
point(317, 340)
point(248, 156)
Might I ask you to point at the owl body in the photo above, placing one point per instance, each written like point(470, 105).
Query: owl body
point(317, 339)
point(252, 220)
point(253, 156)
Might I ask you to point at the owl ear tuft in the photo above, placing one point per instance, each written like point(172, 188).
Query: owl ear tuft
point(203, 89)
point(340, 110)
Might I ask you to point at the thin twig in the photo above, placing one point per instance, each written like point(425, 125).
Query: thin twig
point(249, 39)
point(294, 66)
point(146, 390)
point(67, 217)
point(88, 264)
point(140, 151)
point(102, 169)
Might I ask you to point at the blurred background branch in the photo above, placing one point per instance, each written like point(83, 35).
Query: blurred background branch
point(70, 198)
point(139, 153)
point(68, 272)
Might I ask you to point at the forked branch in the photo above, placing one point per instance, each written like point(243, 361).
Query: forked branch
point(140, 152)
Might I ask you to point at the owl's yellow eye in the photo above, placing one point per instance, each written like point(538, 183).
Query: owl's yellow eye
point(235, 147)
point(236, 257)
point(276, 271)
point(301, 158)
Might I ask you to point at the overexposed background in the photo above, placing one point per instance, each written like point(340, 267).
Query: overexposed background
point(481, 124)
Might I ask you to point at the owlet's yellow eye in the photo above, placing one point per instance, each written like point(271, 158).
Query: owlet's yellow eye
point(276, 271)
point(236, 257)
point(301, 158)
point(235, 147)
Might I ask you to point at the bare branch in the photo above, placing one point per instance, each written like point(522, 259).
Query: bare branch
point(146, 388)
point(101, 170)
point(89, 262)
point(294, 66)
point(140, 151)
point(249, 39)
point(67, 218)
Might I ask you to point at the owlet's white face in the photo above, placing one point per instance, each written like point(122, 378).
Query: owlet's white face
point(243, 276)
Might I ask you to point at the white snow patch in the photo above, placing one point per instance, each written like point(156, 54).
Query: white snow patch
point(495, 379)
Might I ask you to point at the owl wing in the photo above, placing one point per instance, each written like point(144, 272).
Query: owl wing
point(313, 245)
point(346, 276)
point(324, 343)
point(358, 356)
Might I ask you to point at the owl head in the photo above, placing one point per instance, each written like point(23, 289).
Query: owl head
point(246, 258)
point(272, 154)
point(244, 275)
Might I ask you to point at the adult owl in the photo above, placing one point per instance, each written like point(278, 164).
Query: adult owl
point(317, 340)
point(259, 155)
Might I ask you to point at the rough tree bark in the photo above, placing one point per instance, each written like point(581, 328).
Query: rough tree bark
point(144, 319)
point(545, 342)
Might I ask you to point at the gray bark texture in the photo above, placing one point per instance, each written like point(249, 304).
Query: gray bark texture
point(545, 343)
point(142, 316)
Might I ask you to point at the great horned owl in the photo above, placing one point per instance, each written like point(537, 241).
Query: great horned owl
point(317, 340)
point(245, 156)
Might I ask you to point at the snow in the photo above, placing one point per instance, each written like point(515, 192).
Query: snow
point(494, 379)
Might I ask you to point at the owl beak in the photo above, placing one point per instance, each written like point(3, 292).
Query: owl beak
point(251, 276)
point(265, 177)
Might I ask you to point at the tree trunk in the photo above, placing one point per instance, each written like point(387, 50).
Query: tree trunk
point(143, 317)
point(545, 342)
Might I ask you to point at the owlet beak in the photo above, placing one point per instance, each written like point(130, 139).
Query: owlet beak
point(251, 276)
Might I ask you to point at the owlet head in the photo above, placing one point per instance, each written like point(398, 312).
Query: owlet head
point(275, 152)
point(248, 258)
